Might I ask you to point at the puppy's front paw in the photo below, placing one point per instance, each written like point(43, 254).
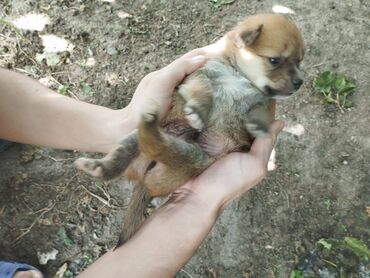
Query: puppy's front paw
point(193, 118)
point(90, 166)
point(257, 129)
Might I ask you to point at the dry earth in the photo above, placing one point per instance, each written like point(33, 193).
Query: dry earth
point(320, 188)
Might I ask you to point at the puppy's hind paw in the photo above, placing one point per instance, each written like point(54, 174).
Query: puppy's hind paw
point(149, 117)
point(90, 166)
point(193, 118)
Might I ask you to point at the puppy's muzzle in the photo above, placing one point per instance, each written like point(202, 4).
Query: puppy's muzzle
point(285, 92)
point(297, 83)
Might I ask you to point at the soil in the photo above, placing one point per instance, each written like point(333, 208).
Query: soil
point(319, 189)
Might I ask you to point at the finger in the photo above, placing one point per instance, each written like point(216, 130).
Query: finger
point(262, 146)
point(193, 53)
point(175, 72)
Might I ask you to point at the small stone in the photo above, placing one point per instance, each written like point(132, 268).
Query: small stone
point(45, 257)
point(90, 62)
point(123, 15)
point(112, 51)
point(61, 271)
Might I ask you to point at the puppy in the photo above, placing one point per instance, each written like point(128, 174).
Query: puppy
point(218, 109)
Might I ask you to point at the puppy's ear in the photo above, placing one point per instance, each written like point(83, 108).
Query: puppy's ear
point(246, 37)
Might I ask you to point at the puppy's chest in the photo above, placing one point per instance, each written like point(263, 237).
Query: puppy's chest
point(233, 97)
point(225, 130)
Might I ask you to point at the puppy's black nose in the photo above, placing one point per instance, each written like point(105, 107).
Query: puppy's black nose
point(297, 83)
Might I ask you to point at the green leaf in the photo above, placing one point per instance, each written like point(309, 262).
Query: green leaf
point(358, 247)
point(63, 89)
point(339, 83)
point(348, 104)
point(296, 274)
point(348, 89)
point(324, 82)
point(325, 243)
point(335, 88)
point(64, 237)
point(87, 89)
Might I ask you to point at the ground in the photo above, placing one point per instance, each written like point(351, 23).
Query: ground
point(319, 189)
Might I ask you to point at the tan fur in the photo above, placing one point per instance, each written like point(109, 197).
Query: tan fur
point(216, 110)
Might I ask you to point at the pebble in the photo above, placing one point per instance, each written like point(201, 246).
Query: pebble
point(112, 51)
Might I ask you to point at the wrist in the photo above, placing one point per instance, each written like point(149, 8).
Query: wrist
point(117, 125)
point(196, 200)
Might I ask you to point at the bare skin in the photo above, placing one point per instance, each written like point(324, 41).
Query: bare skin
point(170, 237)
point(31, 113)
point(182, 224)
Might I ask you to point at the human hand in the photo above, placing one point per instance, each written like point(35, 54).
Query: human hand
point(157, 87)
point(234, 174)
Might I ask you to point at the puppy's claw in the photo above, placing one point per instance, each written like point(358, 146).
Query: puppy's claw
point(193, 118)
point(149, 117)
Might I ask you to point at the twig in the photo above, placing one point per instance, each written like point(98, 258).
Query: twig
point(43, 212)
point(104, 192)
point(10, 25)
point(68, 91)
point(27, 230)
point(105, 202)
point(27, 72)
point(317, 65)
point(53, 158)
point(187, 273)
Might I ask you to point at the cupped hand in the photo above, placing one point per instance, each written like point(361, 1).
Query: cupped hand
point(157, 87)
point(236, 173)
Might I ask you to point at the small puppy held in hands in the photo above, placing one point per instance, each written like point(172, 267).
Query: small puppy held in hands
point(218, 109)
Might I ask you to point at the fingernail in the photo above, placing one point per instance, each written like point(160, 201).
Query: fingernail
point(198, 59)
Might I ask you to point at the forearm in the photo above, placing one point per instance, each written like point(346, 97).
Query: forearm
point(33, 114)
point(163, 245)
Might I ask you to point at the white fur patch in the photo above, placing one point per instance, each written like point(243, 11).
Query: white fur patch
point(253, 67)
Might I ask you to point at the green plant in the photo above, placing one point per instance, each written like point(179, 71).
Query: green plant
point(336, 88)
point(220, 3)
point(62, 89)
point(86, 88)
point(337, 257)
point(64, 237)
point(296, 274)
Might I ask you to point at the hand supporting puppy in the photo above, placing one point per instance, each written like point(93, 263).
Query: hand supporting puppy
point(158, 87)
point(171, 236)
point(233, 175)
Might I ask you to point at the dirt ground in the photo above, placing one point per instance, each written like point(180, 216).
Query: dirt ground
point(319, 189)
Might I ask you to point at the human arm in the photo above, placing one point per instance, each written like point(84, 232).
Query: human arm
point(171, 236)
point(33, 114)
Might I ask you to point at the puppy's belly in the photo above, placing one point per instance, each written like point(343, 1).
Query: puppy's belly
point(214, 146)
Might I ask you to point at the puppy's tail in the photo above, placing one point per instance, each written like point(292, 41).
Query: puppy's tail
point(135, 213)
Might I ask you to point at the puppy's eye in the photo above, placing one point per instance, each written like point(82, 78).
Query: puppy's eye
point(274, 61)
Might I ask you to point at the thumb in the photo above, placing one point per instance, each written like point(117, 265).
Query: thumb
point(175, 72)
point(262, 146)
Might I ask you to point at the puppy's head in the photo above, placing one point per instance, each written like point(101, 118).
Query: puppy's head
point(268, 50)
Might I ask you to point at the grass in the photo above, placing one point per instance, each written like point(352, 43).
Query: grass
point(336, 88)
